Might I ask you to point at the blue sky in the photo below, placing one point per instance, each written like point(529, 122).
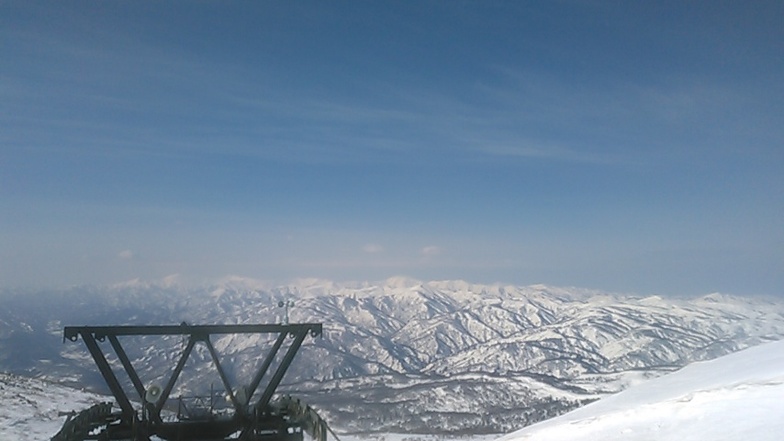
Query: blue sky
point(630, 146)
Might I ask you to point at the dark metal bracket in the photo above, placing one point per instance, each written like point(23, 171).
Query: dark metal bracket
point(92, 335)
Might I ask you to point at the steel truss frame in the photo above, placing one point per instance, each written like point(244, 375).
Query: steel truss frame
point(151, 422)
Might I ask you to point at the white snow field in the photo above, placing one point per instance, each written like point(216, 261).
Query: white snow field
point(31, 408)
point(736, 397)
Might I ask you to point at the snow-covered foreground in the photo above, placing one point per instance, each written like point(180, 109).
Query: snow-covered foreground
point(31, 408)
point(735, 397)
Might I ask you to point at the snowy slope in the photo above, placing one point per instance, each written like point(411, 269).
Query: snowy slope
point(738, 397)
point(31, 409)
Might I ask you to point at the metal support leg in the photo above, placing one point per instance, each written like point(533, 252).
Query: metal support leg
point(108, 375)
point(223, 377)
point(173, 379)
point(281, 370)
point(264, 367)
point(126, 362)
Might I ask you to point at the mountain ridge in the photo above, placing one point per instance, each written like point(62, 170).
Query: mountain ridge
point(443, 343)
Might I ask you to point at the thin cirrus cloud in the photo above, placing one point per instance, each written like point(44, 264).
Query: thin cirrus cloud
point(126, 255)
point(341, 128)
point(372, 248)
point(430, 251)
point(553, 153)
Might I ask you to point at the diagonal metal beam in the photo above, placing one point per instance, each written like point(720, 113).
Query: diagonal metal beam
point(281, 370)
point(264, 367)
point(108, 375)
point(126, 362)
point(222, 374)
point(173, 379)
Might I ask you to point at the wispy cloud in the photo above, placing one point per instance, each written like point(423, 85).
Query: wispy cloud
point(430, 251)
point(382, 119)
point(551, 152)
point(372, 248)
point(125, 255)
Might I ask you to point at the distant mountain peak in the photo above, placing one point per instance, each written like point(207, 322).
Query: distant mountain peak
point(403, 347)
point(402, 282)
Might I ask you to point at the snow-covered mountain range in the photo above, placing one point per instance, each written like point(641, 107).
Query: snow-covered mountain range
point(402, 355)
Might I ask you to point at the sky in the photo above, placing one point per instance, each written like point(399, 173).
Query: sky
point(616, 145)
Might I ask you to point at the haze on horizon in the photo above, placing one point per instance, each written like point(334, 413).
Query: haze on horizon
point(628, 146)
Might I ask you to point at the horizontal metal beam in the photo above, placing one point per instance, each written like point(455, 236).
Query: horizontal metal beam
point(72, 332)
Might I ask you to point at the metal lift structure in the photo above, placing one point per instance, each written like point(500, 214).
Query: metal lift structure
point(144, 419)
